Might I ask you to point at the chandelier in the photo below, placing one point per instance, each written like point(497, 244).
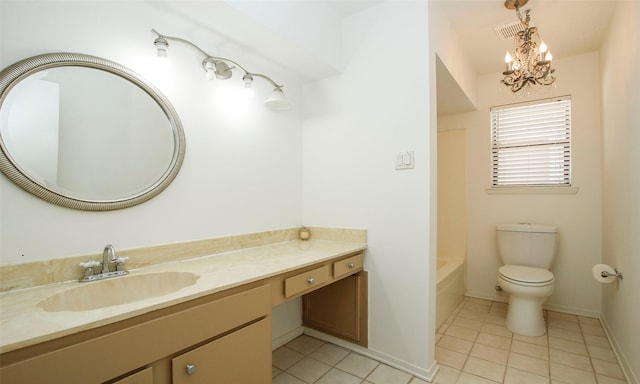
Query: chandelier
point(530, 63)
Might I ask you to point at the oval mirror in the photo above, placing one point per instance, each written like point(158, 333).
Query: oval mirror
point(86, 133)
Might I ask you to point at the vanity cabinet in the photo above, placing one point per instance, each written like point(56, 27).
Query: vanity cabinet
point(224, 337)
point(296, 283)
point(341, 308)
point(234, 327)
point(335, 296)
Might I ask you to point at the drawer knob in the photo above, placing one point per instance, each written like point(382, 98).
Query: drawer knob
point(190, 368)
point(351, 265)
point(311, 280)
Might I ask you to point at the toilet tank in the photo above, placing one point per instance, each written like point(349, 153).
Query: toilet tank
point(532, 245)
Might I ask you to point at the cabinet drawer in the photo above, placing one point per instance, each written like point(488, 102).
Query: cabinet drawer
point(142, 377)
point(306, 281)
point(347, 266)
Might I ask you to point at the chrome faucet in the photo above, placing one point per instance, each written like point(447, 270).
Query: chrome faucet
point(108, 256)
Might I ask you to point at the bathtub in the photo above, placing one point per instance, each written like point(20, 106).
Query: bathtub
point(449, 288)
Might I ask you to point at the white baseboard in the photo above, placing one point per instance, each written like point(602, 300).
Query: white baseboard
point(571, 310)
point(500, 297)
point(287, 337)
point(622, 359)
point(504, 298)
point(421, 373)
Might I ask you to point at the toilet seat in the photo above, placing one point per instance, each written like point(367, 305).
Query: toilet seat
point(522, 275)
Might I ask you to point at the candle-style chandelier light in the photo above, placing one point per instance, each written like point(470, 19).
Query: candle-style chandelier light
point(530, 62)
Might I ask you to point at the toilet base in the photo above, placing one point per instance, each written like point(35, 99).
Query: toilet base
point(525, 317)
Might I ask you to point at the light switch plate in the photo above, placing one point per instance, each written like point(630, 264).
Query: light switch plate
point(405, 160)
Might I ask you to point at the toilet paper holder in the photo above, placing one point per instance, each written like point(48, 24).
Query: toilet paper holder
point(617, 274)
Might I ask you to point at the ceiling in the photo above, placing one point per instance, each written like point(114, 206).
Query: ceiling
point(569, 27)
point(349, 7)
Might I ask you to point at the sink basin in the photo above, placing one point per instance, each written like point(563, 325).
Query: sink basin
point(118, 290)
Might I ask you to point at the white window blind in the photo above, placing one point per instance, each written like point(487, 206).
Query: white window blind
point(531, 144)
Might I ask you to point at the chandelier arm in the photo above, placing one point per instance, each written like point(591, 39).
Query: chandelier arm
point(208, 56)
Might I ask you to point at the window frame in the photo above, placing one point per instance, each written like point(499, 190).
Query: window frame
point(520, 142)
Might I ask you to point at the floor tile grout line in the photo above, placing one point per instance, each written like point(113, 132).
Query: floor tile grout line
point(586, 347)
point(593, 367)
point(450, 321)
point(548, 345)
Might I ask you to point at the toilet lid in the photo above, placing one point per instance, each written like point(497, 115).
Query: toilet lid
point(519, 273)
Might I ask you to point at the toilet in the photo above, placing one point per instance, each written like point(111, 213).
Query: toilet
point(527, 251)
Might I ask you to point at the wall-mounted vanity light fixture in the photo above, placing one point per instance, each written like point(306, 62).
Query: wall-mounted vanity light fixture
point(221, 68)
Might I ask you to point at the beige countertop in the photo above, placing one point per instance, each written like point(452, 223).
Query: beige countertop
point(24, 322)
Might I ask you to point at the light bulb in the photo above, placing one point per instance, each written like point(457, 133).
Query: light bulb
point(542, 48)
point(548, 56)
point(162, 46)
point(508, 59)
point(247, 89)
point(210, 70)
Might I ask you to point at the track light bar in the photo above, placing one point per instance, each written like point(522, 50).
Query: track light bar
point(221, 68)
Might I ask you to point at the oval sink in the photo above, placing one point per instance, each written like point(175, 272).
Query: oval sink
point(118, 290)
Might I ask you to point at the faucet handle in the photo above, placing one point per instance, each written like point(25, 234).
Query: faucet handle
point(89, 264)
point(88, 267)
point(120, 262)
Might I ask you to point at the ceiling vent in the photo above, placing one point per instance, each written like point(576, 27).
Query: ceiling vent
point(509, 31)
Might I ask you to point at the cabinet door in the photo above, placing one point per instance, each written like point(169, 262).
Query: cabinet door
point(339, 309)
point(243, 356)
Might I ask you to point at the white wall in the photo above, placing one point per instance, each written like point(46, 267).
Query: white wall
point(452, 193)
point(621, 182)
point(355, 123)
point(242, 171)
point(446, 44)
point(577, 216)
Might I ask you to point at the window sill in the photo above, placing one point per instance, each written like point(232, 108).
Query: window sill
point(532, 191)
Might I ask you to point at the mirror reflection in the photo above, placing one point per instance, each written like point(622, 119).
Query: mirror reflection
point(78, 142)
point(89, 134)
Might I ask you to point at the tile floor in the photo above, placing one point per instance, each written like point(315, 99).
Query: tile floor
point(307, 360)
point(472, 347)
